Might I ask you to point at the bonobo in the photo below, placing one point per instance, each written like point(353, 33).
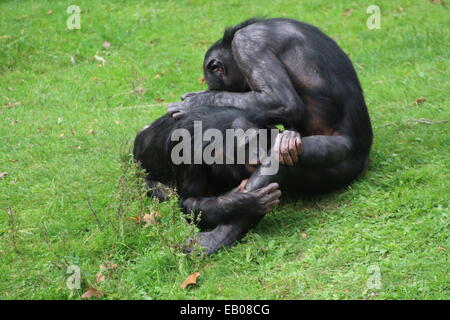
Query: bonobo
point(291, 73)
point(216, 191)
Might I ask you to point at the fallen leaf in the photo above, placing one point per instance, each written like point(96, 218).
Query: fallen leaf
point(3, 174)
point(348, 12)
point(49, 11)
point(117, 122)
point(304, 236)
point(99, 277)
point(157, 76)
point(202, 79)
point(100, 59)
point(139, 90)
point(138, 220)
point(159, 100)
point(91, 292)
point(91, 131)
point(190, 280)
point(106, 44)
point(151, 218)
point(421, 100)
point(108, 266)
point(13, 104)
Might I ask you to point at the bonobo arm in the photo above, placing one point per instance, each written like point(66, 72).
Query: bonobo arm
point(273, 94)
point(315, 152)
point(324, 151)
point(224, 208)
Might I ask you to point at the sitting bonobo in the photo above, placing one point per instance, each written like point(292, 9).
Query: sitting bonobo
point(215, 191)
point(291, 73)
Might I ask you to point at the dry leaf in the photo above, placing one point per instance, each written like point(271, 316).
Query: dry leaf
point(139, 90)
point(91, 292)
point(151, 218)
point(13, 104)
point(99, 277)
point(117, 122)
point(91, 131)
point(421, 100)
point(157, 76)
point(138, 220)
point(190, 280)
point(49, 11)
point(106, 44)
point(201, 79)
point(3, 174)
point(304, 236)
point(159, 100)
point(100, 59)
point(347, 12)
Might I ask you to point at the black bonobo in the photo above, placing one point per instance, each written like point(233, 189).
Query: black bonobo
point(291, 73)
point(215, 191)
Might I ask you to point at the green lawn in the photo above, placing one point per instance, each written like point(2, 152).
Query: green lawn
point(67, 123)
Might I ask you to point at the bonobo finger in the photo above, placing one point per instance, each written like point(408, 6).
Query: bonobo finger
point(284, 149)
point(174, 107)
point(269, 206)
point(242, 185)
point(293, 149)
point(298, 144)
point(178, 115)
point(267, 189)
point(271, 197)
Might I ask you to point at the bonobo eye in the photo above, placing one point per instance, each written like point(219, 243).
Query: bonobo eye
point(216, 67)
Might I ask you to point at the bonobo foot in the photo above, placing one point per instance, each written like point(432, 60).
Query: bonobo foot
point(223, 235)
point(229, 233)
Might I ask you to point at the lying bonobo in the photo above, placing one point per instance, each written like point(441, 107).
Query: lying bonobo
point(216, 192)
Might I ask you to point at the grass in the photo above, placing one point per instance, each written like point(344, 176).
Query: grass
point(66, 127)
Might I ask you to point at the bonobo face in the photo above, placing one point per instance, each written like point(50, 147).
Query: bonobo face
point(221, 72)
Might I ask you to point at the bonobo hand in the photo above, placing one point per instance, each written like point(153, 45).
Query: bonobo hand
point(266, 198)
point(189, 101)
point(287, 146)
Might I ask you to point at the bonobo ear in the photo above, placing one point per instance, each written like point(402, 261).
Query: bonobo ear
point(216, 66)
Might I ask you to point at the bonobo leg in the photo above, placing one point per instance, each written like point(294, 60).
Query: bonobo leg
point(213, 211)
point(231, 215)
point(325, 163)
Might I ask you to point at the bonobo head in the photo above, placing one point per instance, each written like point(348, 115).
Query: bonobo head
point(221, 71)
